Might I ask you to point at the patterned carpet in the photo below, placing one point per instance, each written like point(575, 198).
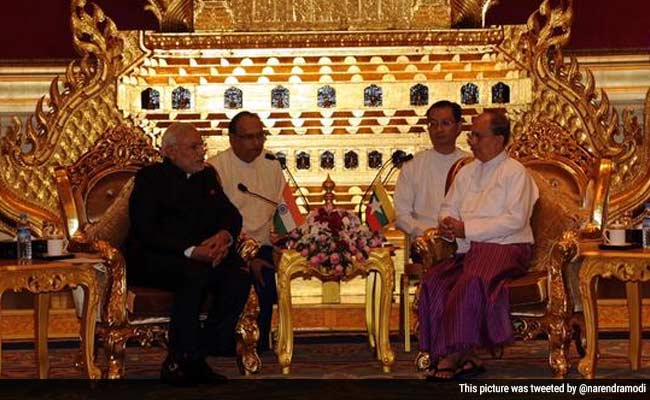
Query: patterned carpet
point(340, 367)
point(337, 357)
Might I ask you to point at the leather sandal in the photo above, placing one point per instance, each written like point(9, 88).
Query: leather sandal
point(434, 378)
point(469, 369)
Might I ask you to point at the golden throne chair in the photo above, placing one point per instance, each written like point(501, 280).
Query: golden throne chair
point(573, 192)
point(94, 194)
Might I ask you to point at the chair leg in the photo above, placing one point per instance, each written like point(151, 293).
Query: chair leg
point(248, 334)
point(370, 309)
point(114, 346)
point(558, 342)
point(404, 311)
point(578, 333)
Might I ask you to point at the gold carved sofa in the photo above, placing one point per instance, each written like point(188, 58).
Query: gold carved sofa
point(574, 188)
point(94, 194)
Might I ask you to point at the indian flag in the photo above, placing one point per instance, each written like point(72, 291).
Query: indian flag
point(287, 217)
point(380, 211)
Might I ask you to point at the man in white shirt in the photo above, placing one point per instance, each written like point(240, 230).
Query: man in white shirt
point(420, 187)
point(464, 304)
point(245, 163)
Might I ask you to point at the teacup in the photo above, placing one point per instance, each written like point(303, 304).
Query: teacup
point(615, 236)
point(56, 246)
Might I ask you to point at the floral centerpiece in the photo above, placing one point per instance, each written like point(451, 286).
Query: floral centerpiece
point(332, 239)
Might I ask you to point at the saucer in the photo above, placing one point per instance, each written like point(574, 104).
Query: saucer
point(52, 257)
point(622, 246)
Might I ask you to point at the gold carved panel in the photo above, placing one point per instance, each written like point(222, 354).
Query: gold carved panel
point(318, 15)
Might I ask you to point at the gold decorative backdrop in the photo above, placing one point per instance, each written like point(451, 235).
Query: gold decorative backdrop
point(283, 58)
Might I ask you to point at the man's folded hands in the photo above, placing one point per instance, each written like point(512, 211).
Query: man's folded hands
point(213, 249)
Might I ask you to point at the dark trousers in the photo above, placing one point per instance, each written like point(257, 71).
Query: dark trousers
point(267, 296)
point(192, 281)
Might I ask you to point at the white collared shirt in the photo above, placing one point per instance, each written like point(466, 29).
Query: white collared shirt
point(260, 176)
point(420, 190)
point(494, 199)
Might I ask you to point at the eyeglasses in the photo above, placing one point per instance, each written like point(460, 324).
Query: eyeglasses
point(477, 136)
point(445, 123)
point(261, 136)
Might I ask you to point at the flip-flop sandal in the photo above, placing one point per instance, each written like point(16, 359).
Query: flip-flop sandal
point(470, 369)
point(434, 378)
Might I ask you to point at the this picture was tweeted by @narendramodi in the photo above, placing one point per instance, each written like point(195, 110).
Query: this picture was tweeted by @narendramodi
point(570, 389)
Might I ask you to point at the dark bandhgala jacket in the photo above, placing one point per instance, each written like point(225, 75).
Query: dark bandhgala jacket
point(171, 212)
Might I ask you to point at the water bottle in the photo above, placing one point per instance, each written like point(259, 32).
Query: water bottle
point(646, 227)
point(24, 239)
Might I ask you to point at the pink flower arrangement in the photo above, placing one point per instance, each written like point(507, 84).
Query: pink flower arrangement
point(332, 239)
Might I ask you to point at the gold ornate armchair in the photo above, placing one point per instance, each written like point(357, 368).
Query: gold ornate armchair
point(94, 194)
point(573, 188)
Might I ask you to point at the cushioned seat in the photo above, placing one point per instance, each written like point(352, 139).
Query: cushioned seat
point(148, 302)
point(529, 289)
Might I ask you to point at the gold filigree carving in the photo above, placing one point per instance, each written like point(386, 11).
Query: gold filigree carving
point(633, 194)
point(96, 38)
point(172, 15)
point(565, 94)
point(320, 15)
point(84, 101)
point(470, 13)
point(545, 140)
point(217, 14)
point(120, 148)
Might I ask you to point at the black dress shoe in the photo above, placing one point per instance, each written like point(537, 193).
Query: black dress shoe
point(175, 374)
point(200, 372)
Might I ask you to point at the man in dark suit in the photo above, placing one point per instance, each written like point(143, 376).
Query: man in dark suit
point(183, 229)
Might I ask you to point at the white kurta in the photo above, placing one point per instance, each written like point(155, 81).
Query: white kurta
point(495, 199)
point(261, 176)
point(420, 190)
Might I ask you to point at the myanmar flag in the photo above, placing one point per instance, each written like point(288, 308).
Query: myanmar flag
point(380, 211)
point(287, 217)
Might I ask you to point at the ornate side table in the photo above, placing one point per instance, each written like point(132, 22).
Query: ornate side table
point(293, 265)
point(42, 278)
point(629, 266)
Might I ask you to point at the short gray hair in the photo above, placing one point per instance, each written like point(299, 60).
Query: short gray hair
point(499, 124)
point(170, 137)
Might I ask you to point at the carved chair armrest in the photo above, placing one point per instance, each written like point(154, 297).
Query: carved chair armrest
point(432, 249)
point(561, 254)
point(113, 309)
point(598, 212)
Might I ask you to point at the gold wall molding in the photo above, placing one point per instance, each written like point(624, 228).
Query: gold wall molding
point(255, 40)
